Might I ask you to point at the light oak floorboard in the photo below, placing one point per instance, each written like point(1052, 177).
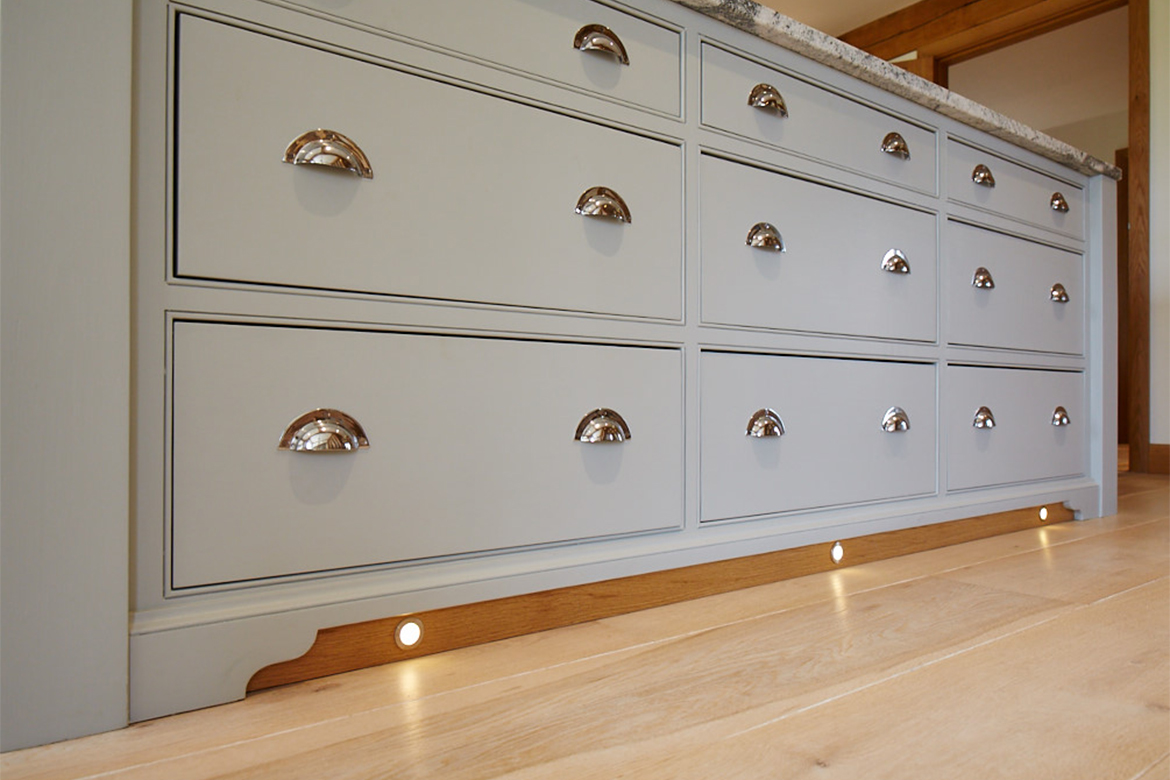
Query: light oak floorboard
point(600, 698)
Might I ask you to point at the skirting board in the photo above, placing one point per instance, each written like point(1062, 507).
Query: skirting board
point(372, 643)
point(1160, 458)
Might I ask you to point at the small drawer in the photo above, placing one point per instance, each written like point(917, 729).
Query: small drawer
point(472, 198)
point(1008, 292)
point(542, 40)
point(982, 179)
point(1013, 425)
point(827, 443)
point(814, 122)
point(850, 264)
point(472, 447)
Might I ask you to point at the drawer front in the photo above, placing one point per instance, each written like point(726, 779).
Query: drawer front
point(471, 447)
point(834, 449)
point(541, 39)
point(820, 124)
point(1023, 444)
point(472, 197)
point(1019, 193)
point(830, 276)
point(1025, 308)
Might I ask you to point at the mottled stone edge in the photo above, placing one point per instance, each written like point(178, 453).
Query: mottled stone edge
point(774, 27)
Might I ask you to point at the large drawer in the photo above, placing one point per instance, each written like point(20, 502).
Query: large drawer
point(1013, 425)
point(1014, 191)
point(472, 447)
point(834, 448)
point(1025, 308)
point(472, 197)
point(819, 123)
point(541, 39)
point(830, 276)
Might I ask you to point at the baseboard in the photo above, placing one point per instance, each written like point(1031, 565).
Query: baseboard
point(1160, 458)
point(372, 643)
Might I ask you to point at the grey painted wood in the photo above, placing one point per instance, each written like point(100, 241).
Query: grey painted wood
point(1019, 312)
point(64, 453)
point(1019, 193)
point(1023, 445)
point(819, 124)
point(472, 197)
point(472, 448)
point(537, 38)
point(833, 450)
point(829, 279)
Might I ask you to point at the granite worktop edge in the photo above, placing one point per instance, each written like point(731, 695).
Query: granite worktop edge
point(775, 27)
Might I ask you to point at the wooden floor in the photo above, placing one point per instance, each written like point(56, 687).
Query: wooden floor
point(1040, 654)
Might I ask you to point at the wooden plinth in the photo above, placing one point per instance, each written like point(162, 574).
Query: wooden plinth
point(359, 645)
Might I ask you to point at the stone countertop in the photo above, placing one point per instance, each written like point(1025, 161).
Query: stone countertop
point(777, 28)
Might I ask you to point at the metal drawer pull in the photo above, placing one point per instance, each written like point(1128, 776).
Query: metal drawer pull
point(324, 432)
point(331, 149)
point(1058, 293)
point(982, 279)
point(595, 37)
point(603, 426)
point(984, 418)
point(768, 98)
point(1060, 417)
point(603, 202)
point(896, 145)
point(1058, 203)
point(895, 262)
point(765, 424)
point(896, 420)
point(982, 175)
point(764, 235)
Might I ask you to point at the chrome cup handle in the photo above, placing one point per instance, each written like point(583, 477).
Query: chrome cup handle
point(1060, 417)
point(764, 235)
point(767, 98)
point(330, 149)
point(595, 37)
point(982, 176)
point(895, 262)
point(896, 145)
point(603, 202)
point(896, 420)
point(1058, 294)
point(324, 432)
point(982, 279)
point(765, 424)
point(983, 418)
point(1058, 203)
point(602, 426)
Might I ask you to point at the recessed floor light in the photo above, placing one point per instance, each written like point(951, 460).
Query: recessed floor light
point(1043, 513)
point(837, 553)
point(408, 633)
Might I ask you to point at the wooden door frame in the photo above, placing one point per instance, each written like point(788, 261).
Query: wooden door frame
point(1138, 187)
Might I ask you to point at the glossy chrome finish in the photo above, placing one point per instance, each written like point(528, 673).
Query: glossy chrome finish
point(1060, 417)
point(982, 279)
point(1058, 203)
point(982, 175)
point(330, 149)
point(324, 432)
point(895, 262)
point(764, 235)
point(602, 426)
point(768, 98)
point(603, 202)
point(1058, 293)
point(595, 37)
point(896, 420)
point(896, 145)
point(765, 424)
point(983, 418)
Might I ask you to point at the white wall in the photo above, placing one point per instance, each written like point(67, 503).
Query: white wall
point(1100, 136)
point(1160, 221)
point(64, 367)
